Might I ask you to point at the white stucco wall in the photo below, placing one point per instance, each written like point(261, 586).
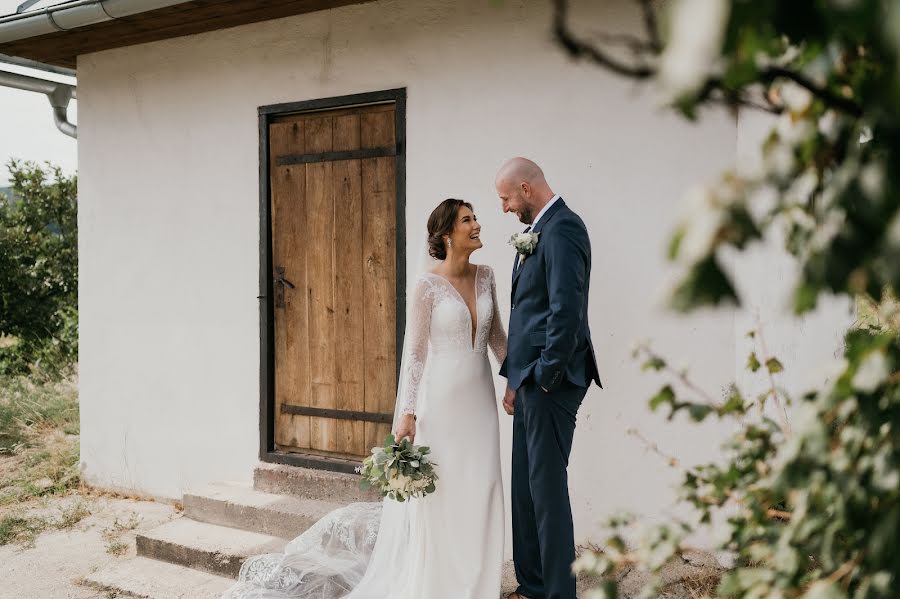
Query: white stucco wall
point(168, 224)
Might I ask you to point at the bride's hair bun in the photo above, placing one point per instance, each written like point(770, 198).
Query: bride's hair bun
point(441, 223)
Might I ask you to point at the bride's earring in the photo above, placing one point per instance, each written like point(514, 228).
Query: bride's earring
point(449, 243)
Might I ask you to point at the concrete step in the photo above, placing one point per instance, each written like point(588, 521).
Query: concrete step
point(310, 484)
point(215, 549)
point(239, 506)
point(151, 579)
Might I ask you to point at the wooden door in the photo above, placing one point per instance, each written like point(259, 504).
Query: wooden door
point(334, 257)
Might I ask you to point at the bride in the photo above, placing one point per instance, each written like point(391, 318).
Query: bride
point(449, 543)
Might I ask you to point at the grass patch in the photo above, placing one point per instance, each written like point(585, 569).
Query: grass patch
point(117, 548)
point(72, 515)
point(22, 530)
point(39, 426)
point(113, 534)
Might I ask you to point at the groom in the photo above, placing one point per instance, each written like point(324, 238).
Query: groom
point(549, 366)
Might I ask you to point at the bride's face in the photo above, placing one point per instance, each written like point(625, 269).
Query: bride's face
point(466, 235)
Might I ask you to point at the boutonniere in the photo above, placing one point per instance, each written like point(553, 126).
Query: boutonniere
point(524, 244)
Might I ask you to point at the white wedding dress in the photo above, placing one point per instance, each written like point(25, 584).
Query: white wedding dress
point(449, 544)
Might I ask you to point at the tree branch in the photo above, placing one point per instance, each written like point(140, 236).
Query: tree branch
point(651, 26)
point(578, 48)
point(830, 98)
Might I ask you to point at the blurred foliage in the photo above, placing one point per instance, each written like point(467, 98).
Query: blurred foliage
point(810, 507)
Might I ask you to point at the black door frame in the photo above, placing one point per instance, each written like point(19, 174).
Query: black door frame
point(266, 115)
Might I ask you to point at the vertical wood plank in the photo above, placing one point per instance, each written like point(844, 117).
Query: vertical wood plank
point(348, 286)
point(289, 252)
point(320, 262)
point(379, 243)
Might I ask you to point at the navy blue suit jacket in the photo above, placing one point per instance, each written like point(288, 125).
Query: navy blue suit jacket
point(549, 336)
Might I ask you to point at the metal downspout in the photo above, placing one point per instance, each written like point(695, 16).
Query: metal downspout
point(59, 94)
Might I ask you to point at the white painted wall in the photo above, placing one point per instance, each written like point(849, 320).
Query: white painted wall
point(169, 223)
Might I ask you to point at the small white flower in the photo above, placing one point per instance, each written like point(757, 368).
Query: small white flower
point(399, 482)
point(795, 97)
point(802, 188)
point(789, 56)
point(872, 371)
point(780, 161)
point(801, 218)
point(792, 130)
point(893, 231)
point(829, 125)
point(871, 179)
point(865, 135)
point(828, 230)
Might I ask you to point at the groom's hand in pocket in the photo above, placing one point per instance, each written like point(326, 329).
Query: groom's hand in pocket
point(509, 401)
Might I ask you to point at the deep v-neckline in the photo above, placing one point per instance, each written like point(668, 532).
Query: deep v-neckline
point(473, 315)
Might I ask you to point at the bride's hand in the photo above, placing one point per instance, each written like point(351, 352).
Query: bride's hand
point(406, 428)
point(509, 401)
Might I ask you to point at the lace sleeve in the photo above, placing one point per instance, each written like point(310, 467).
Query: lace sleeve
point(418, 330)
point(497, 334)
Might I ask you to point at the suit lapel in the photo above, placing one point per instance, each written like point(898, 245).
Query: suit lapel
point(556, 207)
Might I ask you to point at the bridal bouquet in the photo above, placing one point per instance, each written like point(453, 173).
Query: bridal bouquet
point(399, 470)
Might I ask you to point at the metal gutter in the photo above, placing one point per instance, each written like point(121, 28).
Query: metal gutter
point(38, 66)
point(72, 15)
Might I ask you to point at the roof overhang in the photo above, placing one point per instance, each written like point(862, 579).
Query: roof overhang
point(58, 34)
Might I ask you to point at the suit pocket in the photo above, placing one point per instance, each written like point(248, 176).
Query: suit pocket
point(538, 338)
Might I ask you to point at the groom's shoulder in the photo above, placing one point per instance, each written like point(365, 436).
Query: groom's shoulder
point(568, 219)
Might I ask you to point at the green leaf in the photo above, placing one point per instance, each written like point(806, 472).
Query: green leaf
point(665, 395)
point(654, 363)
point(740, 74)
point(752, 362)
point(705, 285)
point(774, 365)
point(699, 411)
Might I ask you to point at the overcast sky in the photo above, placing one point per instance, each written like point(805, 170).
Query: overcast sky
point(27, 131)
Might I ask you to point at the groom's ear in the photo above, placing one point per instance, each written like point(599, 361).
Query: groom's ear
point(526, 188)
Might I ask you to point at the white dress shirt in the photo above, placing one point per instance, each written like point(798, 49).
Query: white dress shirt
point(543, 210)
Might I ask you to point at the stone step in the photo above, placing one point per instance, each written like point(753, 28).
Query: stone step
point(310, 484)
point(151, 579)
point(242, 507)
point(209, 547)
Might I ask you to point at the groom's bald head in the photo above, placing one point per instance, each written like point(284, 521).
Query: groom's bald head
point(522, 188)
point(517, 170)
